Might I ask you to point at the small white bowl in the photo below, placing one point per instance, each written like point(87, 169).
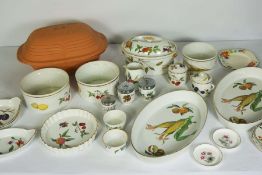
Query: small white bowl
point(115, 140)
point(46, 90)
point(226, 138)
point(207, 154)
point(115, 119)
point(97, 78)
point(199, 56)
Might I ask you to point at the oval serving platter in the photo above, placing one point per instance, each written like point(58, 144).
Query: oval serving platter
point(237, 98)
point(237, 58)
point(9, 109)
point(13, 140)
point(69, 130)
point(168, 124)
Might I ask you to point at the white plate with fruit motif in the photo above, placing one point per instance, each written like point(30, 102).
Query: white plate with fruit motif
point(237, 58)
point(13, 140)
point(69, 130)
point(168, 124)
point(9, 109)
point(237, 98)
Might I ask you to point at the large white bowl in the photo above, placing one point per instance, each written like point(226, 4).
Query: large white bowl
point(155, 133)
point(97, 78)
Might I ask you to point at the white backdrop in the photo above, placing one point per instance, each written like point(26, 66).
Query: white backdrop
point(180, 20)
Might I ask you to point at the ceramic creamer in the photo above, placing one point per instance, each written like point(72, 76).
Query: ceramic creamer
point(202, 83)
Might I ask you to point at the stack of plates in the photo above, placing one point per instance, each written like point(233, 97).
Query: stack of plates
point(255, 134)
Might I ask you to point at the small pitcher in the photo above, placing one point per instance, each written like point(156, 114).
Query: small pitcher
point(134, 72)
point(202, 83)
point(177, 74)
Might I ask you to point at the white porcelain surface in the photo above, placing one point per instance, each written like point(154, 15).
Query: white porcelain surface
point(207, 154)
point(46, 90)
point(115, 119)
point(9, 110)
point(237, 58)
point(153, 52)
point(199, 56)
point(168, 124)
point(258, 133)
point(13, 140)
point(177, 74)
point(226, 138)
point(115, 140)
point(237, 98)
point(97, 78)
point(134, 71)
point(69, 131)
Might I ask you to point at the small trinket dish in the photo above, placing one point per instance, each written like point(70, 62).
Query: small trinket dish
point(226, 138)
point(177, 74)
point(258, 133)
point(70, 130)
point(237, 58)
point(202, 83)
point(115, 140)
point(207, 154)
point(126, 92)
point(255, 135)
point(46, 90)
point(9, 110)
point(115, 119)
point(13, 140)
point(147, 87)
point(199, 56)
point(108, 102)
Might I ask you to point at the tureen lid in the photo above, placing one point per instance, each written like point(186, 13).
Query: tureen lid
point(201, 78)
point(177, 68)
point(126, 88)
point(146, 83)
point(149, 46)
point(108, 100)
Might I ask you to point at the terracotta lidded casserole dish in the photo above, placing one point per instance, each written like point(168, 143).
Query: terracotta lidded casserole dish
point(64, 46)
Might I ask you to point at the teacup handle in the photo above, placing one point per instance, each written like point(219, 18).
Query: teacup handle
point(212, 87)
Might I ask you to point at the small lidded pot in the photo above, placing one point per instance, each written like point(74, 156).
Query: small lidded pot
point(108, 102)
point(177, 74)
point(147, 87)
point(126, 92)
point(202, 83)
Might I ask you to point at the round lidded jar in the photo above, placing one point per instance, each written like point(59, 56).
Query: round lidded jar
point(108, 102)
point(177, 74)
point(147, 87)
point(126, 92)
point(177, 68)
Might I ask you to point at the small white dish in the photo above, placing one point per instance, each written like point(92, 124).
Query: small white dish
point(13, 140)
point(237, 58)
point(9, 109)
point(258, 133)
point(69, 131)
point(207, 154)
point(115, 140)
point(115, 119)
point(226, 138)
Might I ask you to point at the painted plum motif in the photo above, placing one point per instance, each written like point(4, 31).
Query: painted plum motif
point(65, 98)
point(5, 114)
point(63, 139)
point(245, 85)
point(97, 94)
point(13, 143)
point(176, 109)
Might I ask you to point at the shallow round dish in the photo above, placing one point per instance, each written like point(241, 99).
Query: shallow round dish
point(9, 110)
point(46, 90)
point(115, 140)
point(168, 124)
point(199, 56)
point(237, 58)
point(207, 155)
point(13, 140)
point(97, 78)
point(237, 98)
point(226, 138)
point(115, 119)
point(258, 133)
point(69, 131)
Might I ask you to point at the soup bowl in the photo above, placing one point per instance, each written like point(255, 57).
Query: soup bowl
point(46, 90)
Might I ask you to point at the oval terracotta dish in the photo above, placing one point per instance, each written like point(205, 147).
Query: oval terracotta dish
point(64, 46)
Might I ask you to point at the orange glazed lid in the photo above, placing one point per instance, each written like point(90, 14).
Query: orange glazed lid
point(62, 42)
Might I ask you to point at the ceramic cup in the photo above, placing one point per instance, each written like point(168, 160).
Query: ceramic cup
point(95, 79)
point(177, 74)
point(147, 88)
point(115, 140)
point(199, 56)
point(202, 83)
point(115, 119)
point(126, 92)
point(46, 90)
